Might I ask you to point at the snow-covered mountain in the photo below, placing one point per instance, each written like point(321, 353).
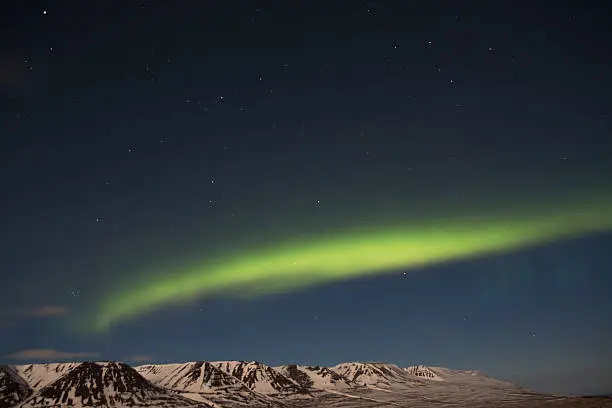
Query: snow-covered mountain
point(261, 378)
point(106, 384)
point(39, 375)
point(315, 377)
point(203, 381)
point(13, 388)
point(378, 375)
point(239, 384)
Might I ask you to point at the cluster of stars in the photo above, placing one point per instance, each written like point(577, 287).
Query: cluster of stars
point(241, 106)
point(148, 68)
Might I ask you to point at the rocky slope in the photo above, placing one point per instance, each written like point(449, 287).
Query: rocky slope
point(261, 378)
point(316, 377)
point(107, 384)
point(203, 381)
point(13, 388)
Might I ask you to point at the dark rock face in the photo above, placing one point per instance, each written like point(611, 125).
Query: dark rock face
point(251, 373)
point(298, 376)
point(420, 371)
point(13, 388)
point(327, 373)
point(210, 376)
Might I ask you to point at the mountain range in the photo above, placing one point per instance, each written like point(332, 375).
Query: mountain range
point(239, 384)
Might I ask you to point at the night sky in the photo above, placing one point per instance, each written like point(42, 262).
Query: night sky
point(164, 163)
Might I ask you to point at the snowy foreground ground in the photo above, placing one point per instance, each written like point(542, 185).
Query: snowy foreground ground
point(240, 384)
point(376, 400)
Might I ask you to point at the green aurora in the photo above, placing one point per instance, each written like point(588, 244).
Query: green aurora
point(355, 252)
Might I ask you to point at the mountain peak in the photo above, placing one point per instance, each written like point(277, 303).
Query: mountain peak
point(194, 376)
point(203, 381)
point(315, 377)
point(110, 384)
point(374, 374)
point(39, 375)
point(260, 377)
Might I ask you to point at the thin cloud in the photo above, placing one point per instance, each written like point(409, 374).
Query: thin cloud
point(45, 311)
point(140, 358)
point(48, 354)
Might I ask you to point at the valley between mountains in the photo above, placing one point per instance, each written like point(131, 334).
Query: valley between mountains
point(240, 384)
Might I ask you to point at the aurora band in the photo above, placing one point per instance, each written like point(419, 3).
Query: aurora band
point(354, 252)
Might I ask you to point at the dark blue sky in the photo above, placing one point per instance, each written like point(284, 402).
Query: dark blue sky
point(138, 135)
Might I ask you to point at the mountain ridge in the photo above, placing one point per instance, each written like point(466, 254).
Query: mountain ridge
point(240, 384)
point(107, 384)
